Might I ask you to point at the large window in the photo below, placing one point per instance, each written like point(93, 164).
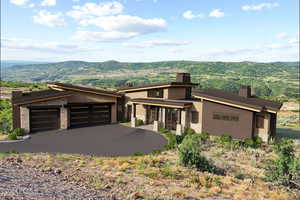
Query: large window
point(195, 117)
point(156, 93)
point(226, 116)
point(259, 121)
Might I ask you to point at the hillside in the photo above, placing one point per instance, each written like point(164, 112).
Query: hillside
point(268, 79)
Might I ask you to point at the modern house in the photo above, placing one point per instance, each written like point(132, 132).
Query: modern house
point(173, 105)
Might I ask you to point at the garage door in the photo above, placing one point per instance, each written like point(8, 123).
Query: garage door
point(89, 114)
point(44, 119)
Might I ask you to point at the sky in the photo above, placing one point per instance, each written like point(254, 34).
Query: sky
point(150, 30)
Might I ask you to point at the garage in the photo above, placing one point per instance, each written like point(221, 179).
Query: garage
point(44, 119)
point(84, 114)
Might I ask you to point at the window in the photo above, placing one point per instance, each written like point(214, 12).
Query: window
point(226, 116)
point(195, 117)
point(156, 93)
point(259, 121)
point(188, 92)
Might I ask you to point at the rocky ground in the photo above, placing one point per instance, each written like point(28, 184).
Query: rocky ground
point(18, 181)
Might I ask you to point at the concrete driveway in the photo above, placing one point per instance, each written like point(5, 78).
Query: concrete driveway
point(106, 140)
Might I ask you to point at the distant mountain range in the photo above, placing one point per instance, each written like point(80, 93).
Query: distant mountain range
point(277, 78)
point(9, 63)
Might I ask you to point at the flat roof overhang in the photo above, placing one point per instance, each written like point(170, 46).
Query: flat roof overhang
point(163, 103)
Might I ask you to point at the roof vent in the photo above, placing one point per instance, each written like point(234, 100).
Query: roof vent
point(245, 91)
point(183, 77)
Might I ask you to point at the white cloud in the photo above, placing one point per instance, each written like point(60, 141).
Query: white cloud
point(293, 41)
point(127, 23)
point(49, 19)
point(153, 43)
point(19, 2)
point(36, 45)
point(90, 10)
point(189, 15)
point(111, 36)
point(217, 13)
point(23, 3)
point(259, 6)
point(281, 35)
point(48, 3)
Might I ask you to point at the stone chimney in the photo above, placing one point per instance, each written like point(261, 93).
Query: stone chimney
point(245, 91)
point(183, 77)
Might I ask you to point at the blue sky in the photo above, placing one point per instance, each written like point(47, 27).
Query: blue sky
point(150, 30)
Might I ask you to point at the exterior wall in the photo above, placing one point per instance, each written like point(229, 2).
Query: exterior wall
point(265, 132)
point(25, 119)
point(141, 112)
point(79, 97)
point(175, 93)
point(198, 107)
point(237, 129)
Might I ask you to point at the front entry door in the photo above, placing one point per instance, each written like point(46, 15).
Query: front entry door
point(171, 118)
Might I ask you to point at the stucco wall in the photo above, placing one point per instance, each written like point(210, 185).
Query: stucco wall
point(141, 112)
point(198, 107)
point(264, 133)
point(237, 129)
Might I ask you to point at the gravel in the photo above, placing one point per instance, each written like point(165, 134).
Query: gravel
point(21, 182)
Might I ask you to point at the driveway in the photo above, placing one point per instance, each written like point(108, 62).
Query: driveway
point(106, 140)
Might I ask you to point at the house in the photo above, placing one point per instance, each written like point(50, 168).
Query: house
point(172, 105)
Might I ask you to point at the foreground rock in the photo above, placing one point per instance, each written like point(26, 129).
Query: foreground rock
point(25, 183)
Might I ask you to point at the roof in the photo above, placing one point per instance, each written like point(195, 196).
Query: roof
point(40, 96)
point(71, 87)
point(164, 102)
point(233, 99)
point(155, 85)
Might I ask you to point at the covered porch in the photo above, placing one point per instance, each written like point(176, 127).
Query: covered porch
point(159, 113)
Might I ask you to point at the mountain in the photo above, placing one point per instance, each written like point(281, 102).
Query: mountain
point(9, 63)
point(277, 78)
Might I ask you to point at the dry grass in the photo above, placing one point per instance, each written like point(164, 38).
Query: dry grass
point(3, 137)
point(161, 177)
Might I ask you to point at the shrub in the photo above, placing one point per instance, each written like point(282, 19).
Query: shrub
point(254, 142)
point(12, 136)
point(163, 130)
point(189, 131)
point(138, 154)
point(286, 168)
point(139, 122)
point(18, 131)
point(155, 151)
point(224, 141)
point(189, 152)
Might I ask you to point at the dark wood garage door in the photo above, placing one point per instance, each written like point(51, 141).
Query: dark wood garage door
point(89, 114)
point(44, 119)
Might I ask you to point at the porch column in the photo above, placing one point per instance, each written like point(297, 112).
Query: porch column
point(156, 123)
point(63, 117)
point(133, 116)
point(25, 118)
point(163, 117)
point(179, 128)
point(184, 118)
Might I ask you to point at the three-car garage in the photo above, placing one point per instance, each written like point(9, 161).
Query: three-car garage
point(64, 106)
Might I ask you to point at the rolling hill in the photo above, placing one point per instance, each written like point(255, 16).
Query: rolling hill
point(269, 79)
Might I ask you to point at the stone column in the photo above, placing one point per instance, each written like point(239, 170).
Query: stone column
point(25, 119)
point(163, 115)
point(63, 117)
point(179, 127)
point(184, 116)
point(133, 116)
